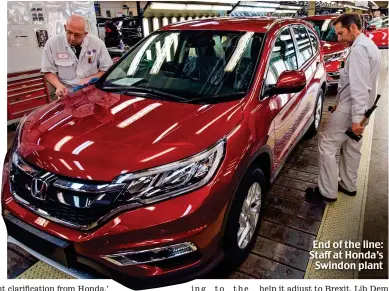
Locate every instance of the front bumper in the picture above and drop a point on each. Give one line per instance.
(83, 268)
(195, 217)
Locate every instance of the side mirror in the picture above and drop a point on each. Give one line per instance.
(288, 82)
(371, 27)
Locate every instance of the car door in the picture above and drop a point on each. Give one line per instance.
(283, 106)
(309, 63)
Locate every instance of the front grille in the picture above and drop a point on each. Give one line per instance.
(72, 208)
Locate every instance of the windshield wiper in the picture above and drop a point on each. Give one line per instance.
(152, 92)
(235, 95)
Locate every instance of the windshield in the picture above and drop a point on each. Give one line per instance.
(190, 64)
(325, 30)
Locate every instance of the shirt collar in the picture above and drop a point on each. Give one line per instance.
(358, 40)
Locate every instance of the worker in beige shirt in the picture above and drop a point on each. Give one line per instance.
(357, 91)
(74, 58)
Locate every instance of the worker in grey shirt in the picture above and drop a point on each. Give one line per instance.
(357, 91)
(74, 58)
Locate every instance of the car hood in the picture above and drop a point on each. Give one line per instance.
(329, 47)
(98, 135)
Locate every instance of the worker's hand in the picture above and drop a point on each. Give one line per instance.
(357, 128)
(61, 91)
(334, 108)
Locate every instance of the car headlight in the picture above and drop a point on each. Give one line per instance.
(173, 179)
(18, 132)
(336, 56)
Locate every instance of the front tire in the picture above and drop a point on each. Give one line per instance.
(245, 217)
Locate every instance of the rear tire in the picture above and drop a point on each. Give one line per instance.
(318, 114)
(245, 217)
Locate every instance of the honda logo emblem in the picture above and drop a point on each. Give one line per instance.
(39, 189)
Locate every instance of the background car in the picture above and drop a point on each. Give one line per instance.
(379, 35)
(127, 29)
(333, 50)
(101, 22)
(160, 170)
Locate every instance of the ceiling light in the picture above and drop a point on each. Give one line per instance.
(254, 9)
(167, 6)
(285, 11)
(197, 7)
(290, 7)
(221, 8)
(260, 4)
(146, 30)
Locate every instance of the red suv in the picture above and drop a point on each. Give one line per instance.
(379, 35)
(333, 50)
(160, 169)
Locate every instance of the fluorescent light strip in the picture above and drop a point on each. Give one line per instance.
(254, 9)
(139, 55)
(78, 165)
(167, 6)
(302, 41)
(176, 6)
(259, 4)
(221, 8)
(138, 115)
(213, 121)
(65, 164)
(290, 7)
(216, 1)
(158, 155)
(198, 7)
(162, 54)
(59, 122)
(59, 144)
(82, 146)
(54, 167)
(327, 22)
(242, 44)
(125, 104)
(285, 37)
(155, 24)
(165, 132)
(146, 30)
(285, 11)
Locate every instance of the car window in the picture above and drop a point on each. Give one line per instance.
(282, 58)
(304, 49)
(325, 30)
(314, 41)
(191, 63)
(130, 23)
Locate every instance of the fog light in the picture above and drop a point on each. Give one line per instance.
(151, 255)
